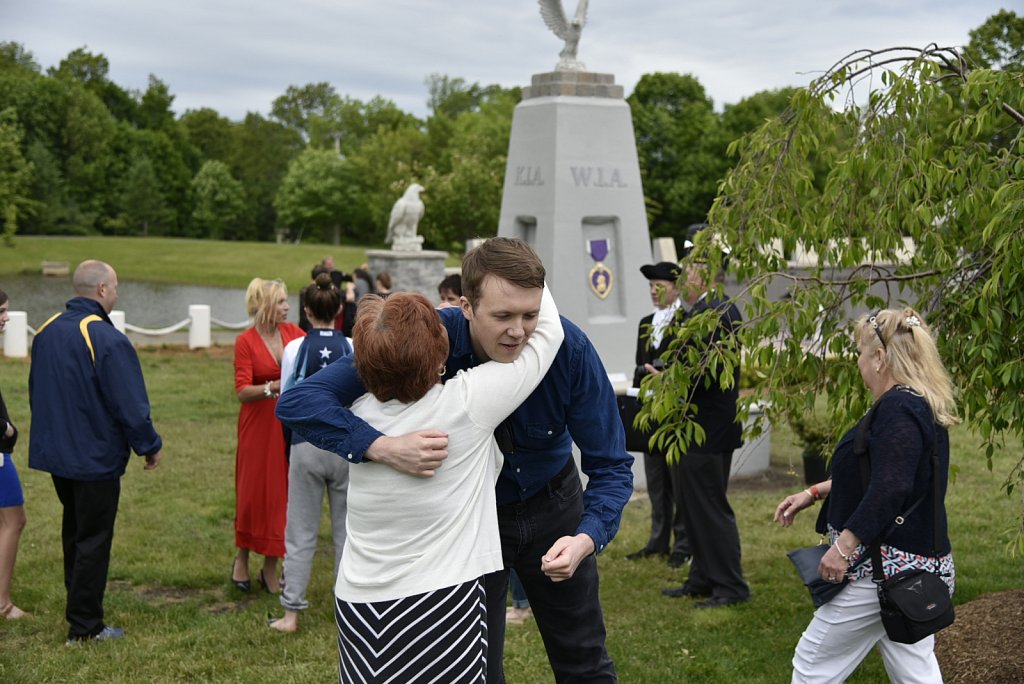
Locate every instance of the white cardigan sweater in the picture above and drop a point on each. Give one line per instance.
(410, 535)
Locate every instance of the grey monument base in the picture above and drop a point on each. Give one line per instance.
(574, 84)
(573, 191)
(419, 271)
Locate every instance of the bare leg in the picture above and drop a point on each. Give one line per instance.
(240, 567)
(12, 522)
(268, 575)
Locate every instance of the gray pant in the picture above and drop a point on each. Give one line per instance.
(312, 470)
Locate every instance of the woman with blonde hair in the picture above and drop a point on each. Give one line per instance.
(261, 468)
(913, 408)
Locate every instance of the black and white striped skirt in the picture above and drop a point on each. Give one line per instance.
(439, 636)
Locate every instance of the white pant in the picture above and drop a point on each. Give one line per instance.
(844, 630)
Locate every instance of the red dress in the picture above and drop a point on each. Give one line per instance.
(261, 469)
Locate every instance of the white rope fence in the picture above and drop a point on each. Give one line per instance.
(198, 324)
(156, 332)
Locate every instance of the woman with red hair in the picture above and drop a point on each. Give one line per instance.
(410, 596)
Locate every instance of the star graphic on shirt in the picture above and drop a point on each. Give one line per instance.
(325, 353)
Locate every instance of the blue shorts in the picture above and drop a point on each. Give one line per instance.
(10, 485)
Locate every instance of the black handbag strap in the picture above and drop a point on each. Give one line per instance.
(860, 449)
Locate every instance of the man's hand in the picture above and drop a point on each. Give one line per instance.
(153, 460)
(417, 453)
(565, 555)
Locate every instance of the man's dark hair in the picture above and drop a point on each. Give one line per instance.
(452, 283)
(509, 258)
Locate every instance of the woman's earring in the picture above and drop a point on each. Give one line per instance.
(444, 369)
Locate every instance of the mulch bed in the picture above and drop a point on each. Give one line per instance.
(985, 644)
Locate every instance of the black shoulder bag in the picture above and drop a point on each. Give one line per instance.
(913, 603)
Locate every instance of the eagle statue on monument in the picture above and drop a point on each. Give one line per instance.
(569, 31)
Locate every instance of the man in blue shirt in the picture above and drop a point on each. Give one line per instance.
(550, 527)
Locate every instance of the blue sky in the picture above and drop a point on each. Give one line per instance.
(238, 55)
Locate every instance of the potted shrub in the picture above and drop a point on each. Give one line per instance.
(815, 435)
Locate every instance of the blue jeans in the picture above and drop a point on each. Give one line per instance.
(519, 598)
(568, 613)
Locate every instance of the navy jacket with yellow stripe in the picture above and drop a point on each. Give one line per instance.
(88, 398)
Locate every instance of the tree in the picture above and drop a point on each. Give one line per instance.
(87, 137)
(681, 150)
(298, 105)
(752, 112)
(15, 56)
(315, 192)
(465, 199)
(383, 167)
(15, 173)
(913, 158)
(154, 110)
(998, 43)
(212, 134)
(143, 208)
(262, 154)
(219, 202)
(52, 211)
(91, 71)
(346, 123)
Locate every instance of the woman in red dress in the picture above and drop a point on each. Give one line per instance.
(261, 468)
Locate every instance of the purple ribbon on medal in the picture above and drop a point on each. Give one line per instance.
(598, 249)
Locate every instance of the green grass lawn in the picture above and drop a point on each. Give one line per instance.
(193, 262)
(174, 543)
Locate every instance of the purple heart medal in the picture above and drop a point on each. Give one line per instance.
(600, 279)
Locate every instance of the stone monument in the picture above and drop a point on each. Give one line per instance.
(573, 191)
(412, 268)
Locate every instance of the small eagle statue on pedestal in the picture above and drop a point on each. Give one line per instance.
(405, 215)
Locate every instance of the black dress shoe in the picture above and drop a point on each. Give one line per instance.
(643, 553)
(721, 601)
(678, 559)
(242, 585)
(686, 590)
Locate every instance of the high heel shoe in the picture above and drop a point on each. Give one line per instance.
(242, 585)
(263, 582)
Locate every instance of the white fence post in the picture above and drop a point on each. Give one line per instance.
(16, 335)
(117, 318)
(199, 329)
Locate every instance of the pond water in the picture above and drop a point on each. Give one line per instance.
(147, 305)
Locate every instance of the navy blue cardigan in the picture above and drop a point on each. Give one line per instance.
(903, 434)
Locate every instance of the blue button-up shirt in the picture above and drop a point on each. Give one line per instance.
(573, 403)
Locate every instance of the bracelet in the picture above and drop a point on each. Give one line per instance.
(267, 392)
(848, 559)
(813, 492)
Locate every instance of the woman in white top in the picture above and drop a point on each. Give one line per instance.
(409, 592)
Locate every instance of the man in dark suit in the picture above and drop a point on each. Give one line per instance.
(652, 341)
(702, 475)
